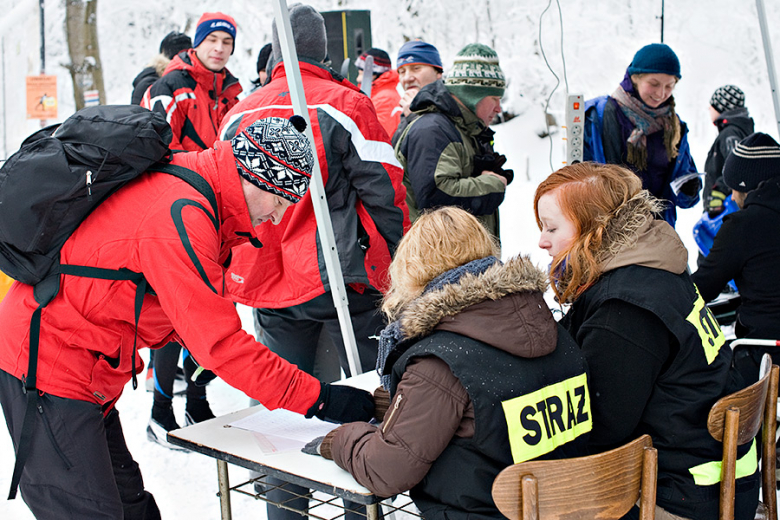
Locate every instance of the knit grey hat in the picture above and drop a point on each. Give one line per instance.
(475, 75)
(275, 155)
(727, 97)
(308, 28)
(755, 159)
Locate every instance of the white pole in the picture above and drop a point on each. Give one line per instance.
(770, 60)
(324, 226)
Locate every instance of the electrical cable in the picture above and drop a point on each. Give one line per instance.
(557, 79)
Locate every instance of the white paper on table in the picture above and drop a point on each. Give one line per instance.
(282, 430)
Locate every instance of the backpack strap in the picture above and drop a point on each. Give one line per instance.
(45, 291)
(193, 179)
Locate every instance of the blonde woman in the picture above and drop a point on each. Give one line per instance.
(637, 126)
(480, 374)
(656, 356)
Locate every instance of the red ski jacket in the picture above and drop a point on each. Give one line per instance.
(385, 97)
(364, 190)
(162, 227)
(193, 99)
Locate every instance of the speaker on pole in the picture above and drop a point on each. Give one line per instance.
(349, 36)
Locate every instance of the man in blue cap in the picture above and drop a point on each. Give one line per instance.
(419, 64)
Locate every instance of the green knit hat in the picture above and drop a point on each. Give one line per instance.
(475, 75)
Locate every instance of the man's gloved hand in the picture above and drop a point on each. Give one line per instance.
(313, 446)
(715, 205)
(691, 187)
(342, 404)
(492, 163)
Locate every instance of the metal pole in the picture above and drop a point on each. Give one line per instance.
(316, 188)
(770, 60)
(42, 9)
(662, 21)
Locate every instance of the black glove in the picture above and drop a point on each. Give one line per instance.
(196, 373)
(342, 404)
(492, 163)
(691, 187)
(313, 446)
(509, 175)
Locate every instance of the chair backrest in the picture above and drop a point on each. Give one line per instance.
(603, 486)
(735, 420)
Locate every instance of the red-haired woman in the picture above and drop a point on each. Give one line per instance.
(656, 356)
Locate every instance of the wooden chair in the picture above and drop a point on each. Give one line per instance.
(603, 486)
(735, 420)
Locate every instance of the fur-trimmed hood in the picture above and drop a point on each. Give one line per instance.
(503, 307)
(634, 237)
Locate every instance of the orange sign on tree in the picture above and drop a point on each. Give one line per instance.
(42, 97)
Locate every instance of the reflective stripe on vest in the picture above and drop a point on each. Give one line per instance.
(708, 473)
(712, 337)
(541, 421)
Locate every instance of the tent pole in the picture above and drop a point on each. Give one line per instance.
(770, 60)
(316, 188)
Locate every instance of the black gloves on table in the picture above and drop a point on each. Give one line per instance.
(342, 404)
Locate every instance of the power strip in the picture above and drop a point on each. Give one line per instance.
(575, 128)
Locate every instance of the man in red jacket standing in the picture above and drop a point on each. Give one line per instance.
(286, 281)
(194, 94)
(197, 90)
(78, 464)
(384, 88)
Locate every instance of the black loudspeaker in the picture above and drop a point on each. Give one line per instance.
(349, 36)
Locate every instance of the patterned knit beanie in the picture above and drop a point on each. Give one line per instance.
(212, 22)
(727, 97)
(381, 61)
(274, 155)
(755, 159)
(475, 75)
(656, 58)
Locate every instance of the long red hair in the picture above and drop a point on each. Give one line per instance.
(588, 195)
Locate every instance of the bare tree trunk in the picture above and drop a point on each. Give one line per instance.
(85, 68)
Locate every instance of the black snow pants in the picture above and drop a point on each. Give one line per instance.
(79, 465)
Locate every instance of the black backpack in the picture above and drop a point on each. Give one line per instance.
(47, 188)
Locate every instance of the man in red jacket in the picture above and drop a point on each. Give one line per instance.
(194, 94)
(197, 90)
(286, 281)
(384, 88)
(158, 225)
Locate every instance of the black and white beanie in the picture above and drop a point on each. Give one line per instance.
(275, 155)
(727, 97)
(755, 159)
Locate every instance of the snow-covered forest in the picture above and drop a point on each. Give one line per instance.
(718, 42)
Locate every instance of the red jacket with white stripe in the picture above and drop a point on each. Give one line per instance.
(363, 186)
(162, 227)
(193, 99)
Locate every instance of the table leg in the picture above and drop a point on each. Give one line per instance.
(224, 490)
(372, 511)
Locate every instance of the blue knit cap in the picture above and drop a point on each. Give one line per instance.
(417, 52)
(211, 22)
(656, 58)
